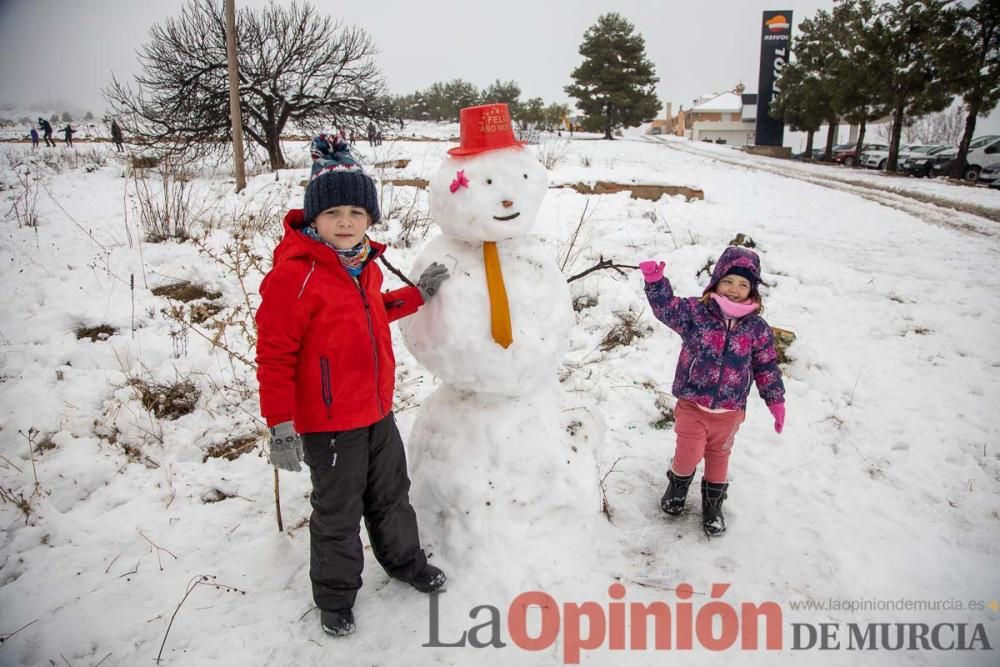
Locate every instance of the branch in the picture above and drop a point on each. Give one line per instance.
(397, 272)
(200, 580)
(602, 264)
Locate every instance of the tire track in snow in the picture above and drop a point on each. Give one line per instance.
(973, 219)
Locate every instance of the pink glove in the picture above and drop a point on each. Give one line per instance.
(778, 410)
(652, 271)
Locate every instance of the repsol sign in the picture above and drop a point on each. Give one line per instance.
(776, 31)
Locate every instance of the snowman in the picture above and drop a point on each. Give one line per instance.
(493, 465)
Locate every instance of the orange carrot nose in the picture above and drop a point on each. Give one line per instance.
(507, 203)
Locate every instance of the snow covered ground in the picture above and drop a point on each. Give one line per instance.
(883, 491)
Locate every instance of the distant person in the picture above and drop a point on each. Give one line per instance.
(46, 128)
(371, 134)
(726, 346)
(68, 133)
(116, 136)
(378, 138)
(34, 138)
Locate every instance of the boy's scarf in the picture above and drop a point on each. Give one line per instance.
(353, 259)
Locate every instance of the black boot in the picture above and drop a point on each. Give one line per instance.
(712, 495)
(429, 580)
(673, 499)
(337, 622)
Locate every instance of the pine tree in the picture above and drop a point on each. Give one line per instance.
(503, 91)
(811, 79)
(615, 84)
(854, 64)
(970, 59)
(802, 102)
(907, 36)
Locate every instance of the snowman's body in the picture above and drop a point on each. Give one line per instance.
(493, 434)
(451, 334)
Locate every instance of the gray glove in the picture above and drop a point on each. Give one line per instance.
(430, 280)
(286, 447)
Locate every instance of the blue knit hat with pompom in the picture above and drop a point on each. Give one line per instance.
(337, 179)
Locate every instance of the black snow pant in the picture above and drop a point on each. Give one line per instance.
(359, 473)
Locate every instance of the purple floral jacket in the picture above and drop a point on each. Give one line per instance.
(718, 363)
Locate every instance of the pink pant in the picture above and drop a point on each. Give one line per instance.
(707, 435)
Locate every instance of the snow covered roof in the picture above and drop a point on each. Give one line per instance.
(727, 101)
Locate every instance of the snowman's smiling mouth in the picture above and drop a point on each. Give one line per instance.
(506, 218)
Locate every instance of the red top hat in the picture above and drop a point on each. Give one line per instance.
(485, 128)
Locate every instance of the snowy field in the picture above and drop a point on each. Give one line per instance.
(884, 488)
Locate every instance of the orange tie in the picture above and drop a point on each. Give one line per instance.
(499, 308)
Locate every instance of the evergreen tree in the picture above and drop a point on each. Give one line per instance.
(615, 84)
(812, 81)
(554, 115)
(802, 102)
(531, 113)
(503, 91)
(854, 64)
(970, 59)
(907, 36)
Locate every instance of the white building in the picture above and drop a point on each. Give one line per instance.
(729, 118)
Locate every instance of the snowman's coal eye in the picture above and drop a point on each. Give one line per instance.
(489, 181)
(525, 177)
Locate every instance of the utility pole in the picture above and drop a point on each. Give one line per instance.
(234, 95)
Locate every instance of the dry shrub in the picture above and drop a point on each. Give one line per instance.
(552, 151)
(99, 332)
(165, 212)
(166, 401)
(199, 313)
(232, 449)
(144, 162)
(185, 291)
(628, 329)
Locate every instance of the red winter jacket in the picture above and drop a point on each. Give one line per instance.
(324, 352)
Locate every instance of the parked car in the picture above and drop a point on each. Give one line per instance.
(943, 162)
(877, 159)
(982, 150)
(920, 164)
(847, 154)
(990, 173)
(817, 153)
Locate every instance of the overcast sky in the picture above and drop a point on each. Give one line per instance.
(63, 51)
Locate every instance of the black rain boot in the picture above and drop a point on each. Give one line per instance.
(673, 499)
(337, 622)
(712, 496)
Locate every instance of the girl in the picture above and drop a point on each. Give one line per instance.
(327, 373)
(726, 346)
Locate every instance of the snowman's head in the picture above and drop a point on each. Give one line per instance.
(490, 196)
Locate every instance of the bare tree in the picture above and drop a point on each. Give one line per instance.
(943, 127)
(294, 65)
